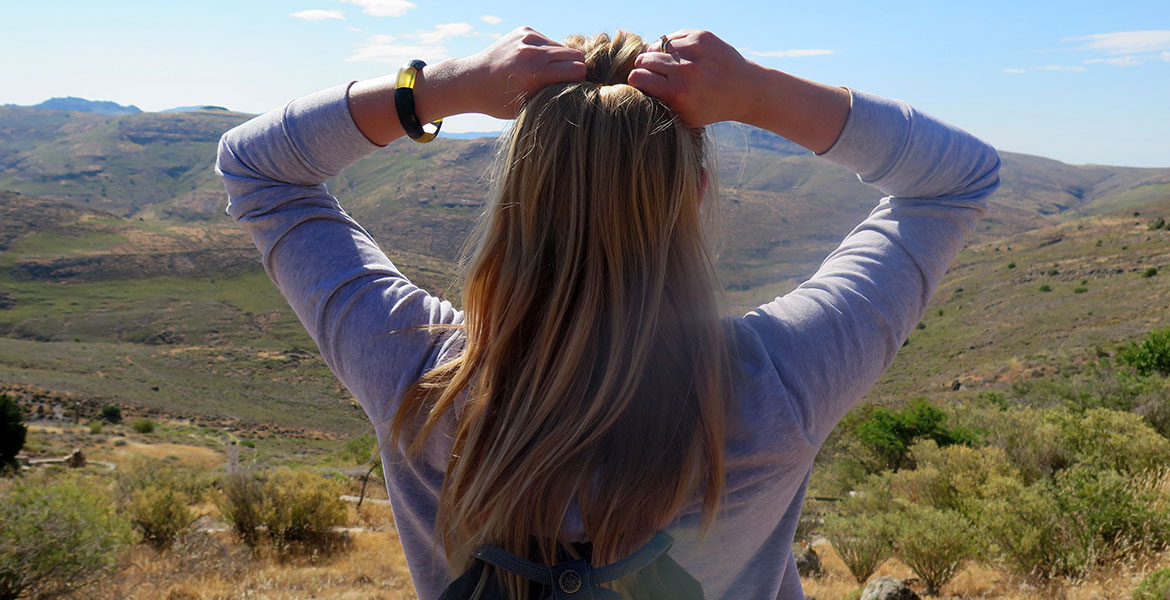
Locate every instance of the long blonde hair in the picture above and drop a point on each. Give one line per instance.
(595, 364)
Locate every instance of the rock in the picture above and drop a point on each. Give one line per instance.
(808, 564)
(75, 460)
(887, 588)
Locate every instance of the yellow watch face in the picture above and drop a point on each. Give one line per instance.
(406, 77)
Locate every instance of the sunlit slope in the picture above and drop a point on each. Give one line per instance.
(1025, 305)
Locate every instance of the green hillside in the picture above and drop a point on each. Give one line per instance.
(120, 273)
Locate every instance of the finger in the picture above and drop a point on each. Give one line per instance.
(563, 71)
(555, 53)
(659, 62)
(651, 83)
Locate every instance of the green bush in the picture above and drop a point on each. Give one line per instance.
(888, 434)
(156, 496)
(1155, 586)
(13, 433)
(142, 425)
(241, 504)
(934, 543)
(1150, 355)
(1045, 288)
(302, 507)
(95, 427)
(863, 541)
(56, 536)
(1030, 532)
(111, 414)
(298, 508)
(1150, 272)
(161, 515)
(1106, 439)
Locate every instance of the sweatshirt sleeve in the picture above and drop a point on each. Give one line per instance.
(836, 334)
(365, 316)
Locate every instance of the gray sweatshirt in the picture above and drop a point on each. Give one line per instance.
(806, 357)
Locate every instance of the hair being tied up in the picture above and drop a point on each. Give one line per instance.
(595, 365)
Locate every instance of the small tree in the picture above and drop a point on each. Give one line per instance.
(56, 537)
(12, 433)
(863, 541)
(888, 434)
(1151, 354)
(934, 543)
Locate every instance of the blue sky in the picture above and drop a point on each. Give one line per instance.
(1077, 81)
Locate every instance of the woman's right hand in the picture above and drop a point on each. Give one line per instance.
(705, 81)
(700, 77)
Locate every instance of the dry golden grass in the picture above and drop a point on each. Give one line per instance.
(187, 454)
(209, 567)
(977, 581)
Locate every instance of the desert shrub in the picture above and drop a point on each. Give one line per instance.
(1111, 440)
(1155, 586)
(161, 515)
(933, 542)
(1153, 404)
(1045, 288)
(240, 502)
(1124, 511)
(156, 496)
(111, 414)
(1029, 532)
(142, 425)
(13, 433)
(888, 434)
(95, 427)
(1150, 272)
(1150, 355)
(950, 478)
(56, 537)
(297, 508)
(863, 541)
(301, 507)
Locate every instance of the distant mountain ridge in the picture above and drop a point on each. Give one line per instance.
(783, 208)
(97, 107)
(113, 109)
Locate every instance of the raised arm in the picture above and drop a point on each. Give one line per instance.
(832, 337)
(358, 307)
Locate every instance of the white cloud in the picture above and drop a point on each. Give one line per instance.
(441, 32)
(384, 8)
(1013, 71)
(1059, 68)
(1166, 56)
(353, 28)
(1119, 61)
(382, 49)
(317, 15)
(491, 19)
(1125, 42)
(792, 53)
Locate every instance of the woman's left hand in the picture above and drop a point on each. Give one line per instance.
(498, 80)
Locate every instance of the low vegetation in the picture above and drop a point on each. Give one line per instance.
(1058, 477)
(58, 534)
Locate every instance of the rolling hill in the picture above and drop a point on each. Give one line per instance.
(121, 279)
